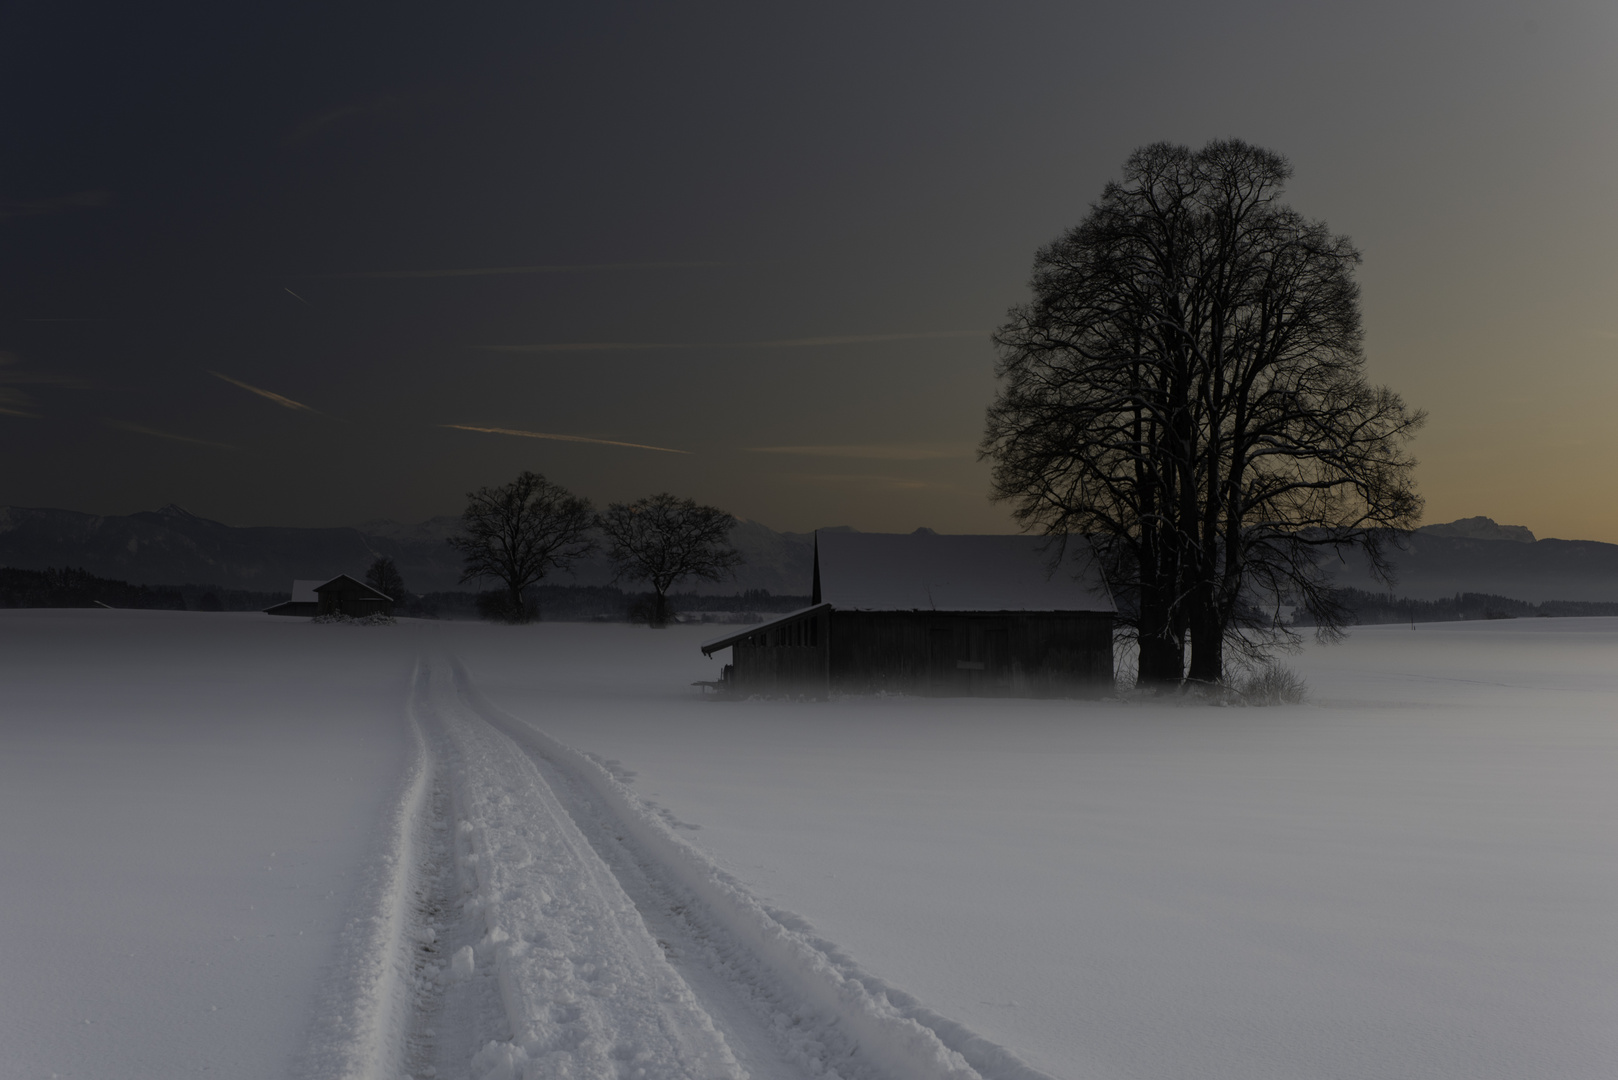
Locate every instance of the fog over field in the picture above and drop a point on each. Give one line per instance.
(244, 846)
(839, 541)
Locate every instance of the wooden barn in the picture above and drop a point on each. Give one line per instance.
(929, 614)
(343, 595)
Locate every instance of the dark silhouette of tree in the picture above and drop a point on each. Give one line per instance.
(384, 577)
(519, 532)
(1187, 390)
(663, 540)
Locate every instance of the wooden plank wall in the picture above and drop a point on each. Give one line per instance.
(981, 654)
(351, 602)
(784, 661)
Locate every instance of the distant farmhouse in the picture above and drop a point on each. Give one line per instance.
(929, 614)
(342, 595)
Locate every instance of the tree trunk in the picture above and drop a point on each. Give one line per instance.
(1207, 643)
(1161, 655)
(1161, 661)
(660, 609)
(514, 605)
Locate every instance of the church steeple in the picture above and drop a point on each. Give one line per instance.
(815, 597)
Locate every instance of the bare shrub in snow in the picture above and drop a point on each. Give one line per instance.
(1273, 684)
(337, 618)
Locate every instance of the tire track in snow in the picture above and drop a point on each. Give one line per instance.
(768, 1038)
(363, 1011)
(827, 1016)
(461, 1025)
(586, 991)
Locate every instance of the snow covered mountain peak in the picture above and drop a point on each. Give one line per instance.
(1480, 528)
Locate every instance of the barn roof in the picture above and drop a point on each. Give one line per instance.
(926, 571)
(303, 590)
(364, 589)
(725, 642)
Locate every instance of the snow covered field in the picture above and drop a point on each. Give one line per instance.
(234, 845)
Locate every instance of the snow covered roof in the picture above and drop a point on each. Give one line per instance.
(924, 571)
(353, 583)
(725, 642)
(303, 590)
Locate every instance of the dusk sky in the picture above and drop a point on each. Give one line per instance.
(314, 264)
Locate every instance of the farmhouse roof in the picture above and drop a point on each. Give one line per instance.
(364, 589)
(926, 571)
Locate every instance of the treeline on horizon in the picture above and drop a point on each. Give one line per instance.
(1371, 609)
(69, 587)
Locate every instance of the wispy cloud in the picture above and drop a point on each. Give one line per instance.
(15, 402)
(78, 200)
(342, 115)
(559, 438)
(489, 271)
(154, 433)
(875, 451)
(876, 483)
(270, 395)
(591, 346)
(775, 343)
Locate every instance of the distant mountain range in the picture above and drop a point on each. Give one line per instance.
(1476, 555)
(173, 547)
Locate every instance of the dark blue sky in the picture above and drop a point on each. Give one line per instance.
(827, 208)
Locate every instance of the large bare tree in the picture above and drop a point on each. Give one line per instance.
(518, 532)
(1186, 388)
(663, 540)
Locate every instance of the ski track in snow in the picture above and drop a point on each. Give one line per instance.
(363, 1012)
(532, 917)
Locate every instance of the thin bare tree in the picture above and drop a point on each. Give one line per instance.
(518, 532)
(384, 577)
(662, 540)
